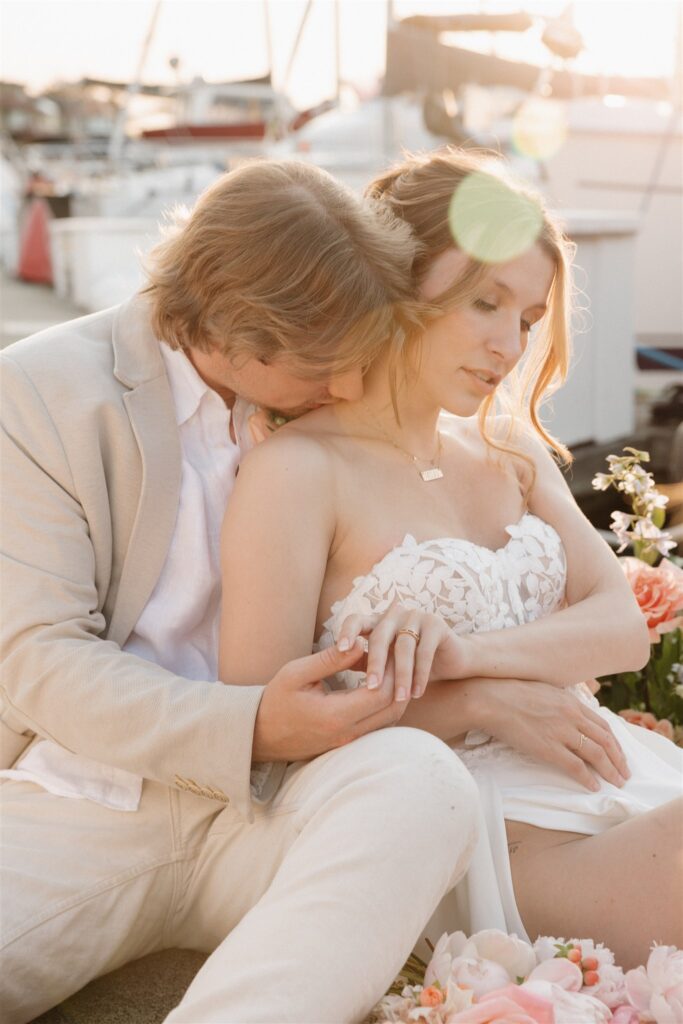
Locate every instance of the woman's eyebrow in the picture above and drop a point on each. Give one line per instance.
(510, 291)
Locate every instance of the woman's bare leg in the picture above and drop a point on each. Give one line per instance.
(623, 887)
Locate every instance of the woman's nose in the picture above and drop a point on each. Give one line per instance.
(348, 386)
(508, 341)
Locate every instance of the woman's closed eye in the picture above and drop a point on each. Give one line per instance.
(490, 307)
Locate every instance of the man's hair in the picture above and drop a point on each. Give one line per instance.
(279, 262)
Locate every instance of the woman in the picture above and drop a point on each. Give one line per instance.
(437, 535)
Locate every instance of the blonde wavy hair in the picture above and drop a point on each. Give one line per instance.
(279, 262)
(421, 190)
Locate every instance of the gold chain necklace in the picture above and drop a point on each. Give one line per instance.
(433, 473)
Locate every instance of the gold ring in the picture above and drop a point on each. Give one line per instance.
(409, 632)
(582, 740)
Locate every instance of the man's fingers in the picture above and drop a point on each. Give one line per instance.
(314, 667)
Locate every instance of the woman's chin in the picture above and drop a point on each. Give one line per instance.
(464, 406)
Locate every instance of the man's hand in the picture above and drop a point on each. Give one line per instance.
(297, 719)
(547, 723)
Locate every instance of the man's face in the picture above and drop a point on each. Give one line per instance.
(271, 385)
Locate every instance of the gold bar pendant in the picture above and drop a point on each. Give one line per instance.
(431, 474)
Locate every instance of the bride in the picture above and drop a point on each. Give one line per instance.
(453, 542)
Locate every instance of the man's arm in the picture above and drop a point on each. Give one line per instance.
(60, 678)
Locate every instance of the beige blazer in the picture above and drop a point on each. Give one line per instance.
(90, 464)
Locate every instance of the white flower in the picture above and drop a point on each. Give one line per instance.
(603, 954)
(512, 953)
(611, 988)
(656, 991)
(446, 950)
(602, 481)
(476, 962)
(646, 530)
(545, 947)
(480, 975)
(621, 526)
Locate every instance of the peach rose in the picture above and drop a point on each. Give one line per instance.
(659, 593)
(431, 996)
(648, 721)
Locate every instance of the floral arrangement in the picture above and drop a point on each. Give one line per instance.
(652, 697)
(493, 978)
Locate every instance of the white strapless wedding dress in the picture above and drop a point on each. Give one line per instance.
(476, 589)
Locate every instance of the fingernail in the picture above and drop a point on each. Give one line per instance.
(417, 694)
(344, 644)
(401, 694)
(371, 681)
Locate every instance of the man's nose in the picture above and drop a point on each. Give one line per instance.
(348, 386)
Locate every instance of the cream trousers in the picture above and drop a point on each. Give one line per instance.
(309, 912)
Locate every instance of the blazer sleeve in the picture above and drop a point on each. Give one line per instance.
(58, 677)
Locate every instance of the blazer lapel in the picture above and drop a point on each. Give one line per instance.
(152, 416)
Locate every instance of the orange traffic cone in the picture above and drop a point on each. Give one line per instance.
(34, 249)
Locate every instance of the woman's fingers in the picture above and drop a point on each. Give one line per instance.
(609, 741)
(600, 748)
(412, 637)
(577, 768)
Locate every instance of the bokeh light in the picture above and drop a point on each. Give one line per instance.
(539, 128)
(490, 221)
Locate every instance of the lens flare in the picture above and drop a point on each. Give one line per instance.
(539, 128)
(490, 221)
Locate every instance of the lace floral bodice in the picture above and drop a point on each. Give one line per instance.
(473, 588)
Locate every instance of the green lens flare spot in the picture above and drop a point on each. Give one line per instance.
(491, 222)
(539, 129)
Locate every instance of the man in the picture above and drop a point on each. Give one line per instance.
(281, 829)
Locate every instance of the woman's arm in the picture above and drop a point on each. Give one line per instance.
(601, 631)
(277, 532)
(539, 720)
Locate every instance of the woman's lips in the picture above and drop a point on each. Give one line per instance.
(486, 387)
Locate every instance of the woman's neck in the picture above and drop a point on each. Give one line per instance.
(417, 432)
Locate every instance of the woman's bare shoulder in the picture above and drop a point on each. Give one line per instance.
(296, 457)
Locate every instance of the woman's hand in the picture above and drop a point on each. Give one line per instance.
(420, 644)
(551, 725)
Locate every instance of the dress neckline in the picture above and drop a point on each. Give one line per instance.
(462, 540)
(410, 542)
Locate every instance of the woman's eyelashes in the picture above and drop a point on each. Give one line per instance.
(491, 307)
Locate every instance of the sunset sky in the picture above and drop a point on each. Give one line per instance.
(47, 40)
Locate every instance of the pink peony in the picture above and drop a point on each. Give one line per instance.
(500, 1009)
(570, 1007)
(656, 991)
(480, 975)
(560, 972)
(659, 593)
(625, 1014)
(610, 989)
(513, 955)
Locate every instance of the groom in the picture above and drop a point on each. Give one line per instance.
(282, 830)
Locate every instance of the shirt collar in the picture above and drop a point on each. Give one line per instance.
(187, 387)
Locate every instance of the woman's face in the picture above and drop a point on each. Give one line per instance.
(467, 352)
